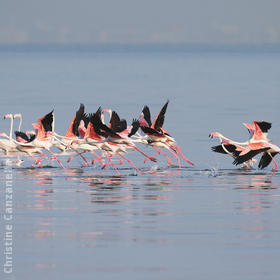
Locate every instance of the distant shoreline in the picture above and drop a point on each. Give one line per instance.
(258, 48)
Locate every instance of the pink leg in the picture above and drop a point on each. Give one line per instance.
(145, 160)
(272, 174)
(178, 159)
(150, 158)
(35, 160)
(129, 161)
(55, 157)
(98, 157)
(112, 164)
(276, 165)
(78, 154)
(177, 150)
(84, 164)
(169, 159)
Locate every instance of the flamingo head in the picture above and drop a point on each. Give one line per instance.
(8, 116)
(215, 134)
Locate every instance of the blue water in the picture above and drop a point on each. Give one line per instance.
(211, 221)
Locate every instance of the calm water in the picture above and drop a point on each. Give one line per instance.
(211, 221)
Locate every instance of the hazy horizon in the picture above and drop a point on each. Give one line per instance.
(128, 22)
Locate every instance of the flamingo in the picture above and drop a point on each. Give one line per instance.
(157, 137)
(268, 156)
(73, 132)
(117, 142)
(258, 143)
(89, 140)
(8, 145)
(232, 149)
(78, 129)
(42, 140)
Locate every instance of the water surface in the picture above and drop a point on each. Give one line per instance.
(204, 222)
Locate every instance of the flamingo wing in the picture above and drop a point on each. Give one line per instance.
(266, 159)
(250, 127)
(229, 147)
(248, 155)
(47, 121)
(159, 120)
(149, 130)
(99, 127)
(145, 117)
(135, 126)
(80, 114)
(114, 119)
(264, 126)
(21, 135)
(117, 124)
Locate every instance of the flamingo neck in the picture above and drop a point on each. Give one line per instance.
(11, 128)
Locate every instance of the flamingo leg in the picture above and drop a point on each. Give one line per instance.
(145, 155)
(177, 157)
(78, 154)
(57, 159)
(98, 157)
(129, 161)
(169, 159)
(177, 150)
(145, 160)
(112, 164)
(51, 158)
(35, 160)
(276, 165)
(84, 164)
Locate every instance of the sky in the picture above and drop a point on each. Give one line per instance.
(139, 22)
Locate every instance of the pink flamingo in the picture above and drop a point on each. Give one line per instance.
(8, 145)
(245, 151)
(259, 143)
(43, 139)
(117, 141)
(157, 137)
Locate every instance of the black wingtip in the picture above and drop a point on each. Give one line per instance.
(135, 126)
(264, 126)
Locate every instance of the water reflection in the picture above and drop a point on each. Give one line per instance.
(40, 177)
(262, 181)
(257, 193)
